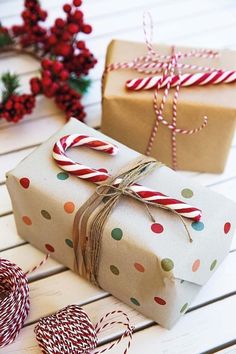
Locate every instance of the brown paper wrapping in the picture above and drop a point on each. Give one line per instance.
(129, 116)
(134, 262)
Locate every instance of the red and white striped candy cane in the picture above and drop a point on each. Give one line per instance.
(97, 176)
(199, 79)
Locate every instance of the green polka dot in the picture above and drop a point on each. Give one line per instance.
(62, 176)
(184, 308)
(197, 225)
(134, 301)
(187, 193)
(181, 281)
(117, 234)
(46, 214)
(114, 270)
(167, 264)
(69, 242)
(213, 264)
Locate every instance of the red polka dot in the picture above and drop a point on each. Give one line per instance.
(69, 207)
(157, 228)
(196, 265)
(49, 247)
(27, 220)
(139, 267)
(227, 227)
(159, 300)
(103, 170)
(25, 182)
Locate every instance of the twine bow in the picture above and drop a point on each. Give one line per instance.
(91, 217)
(167, 66)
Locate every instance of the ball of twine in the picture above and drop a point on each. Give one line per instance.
(14, 301)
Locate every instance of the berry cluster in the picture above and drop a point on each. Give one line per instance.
(16, 107)
(65, 60)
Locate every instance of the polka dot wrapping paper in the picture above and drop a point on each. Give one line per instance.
(149, 265)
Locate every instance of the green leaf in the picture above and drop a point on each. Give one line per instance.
(5, 39)
(10, 85)
(79, 84)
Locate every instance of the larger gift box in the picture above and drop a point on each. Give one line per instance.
(128, 116)
(150, 266)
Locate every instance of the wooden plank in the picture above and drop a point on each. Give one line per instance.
(230, 350)
(9, 161)
(5, 201)
(26, 256)
(50, 294)
(196, 332)
(8, 233)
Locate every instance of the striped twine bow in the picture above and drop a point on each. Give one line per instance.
(14, 299)
(168, 66)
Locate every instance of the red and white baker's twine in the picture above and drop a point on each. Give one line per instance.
(170, 75)
(98, 176)
(71, 331)
(14, 300)
(68, 331)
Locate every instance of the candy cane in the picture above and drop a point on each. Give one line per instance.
(208, 78)
(97, 176)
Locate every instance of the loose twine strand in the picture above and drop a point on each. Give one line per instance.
(167, 66)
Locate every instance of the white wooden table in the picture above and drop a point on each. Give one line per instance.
(209, 325)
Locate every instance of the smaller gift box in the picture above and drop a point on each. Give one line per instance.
(129, 117)
(150, 265)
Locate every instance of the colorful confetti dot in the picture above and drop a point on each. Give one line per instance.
(62, 176)
(69, 242)
(69, 207)
(197, 225)
(139, 267)
(184, 308)
(157, 228)
(167, 264)
(227, 227)
(114, 270)
(213, 264)
(196, 265)
(159, 300)
(117, 234)
(134, 301)
(27, 220)
(46, 214)
(49, 247)
(25, 182)
(187, 193)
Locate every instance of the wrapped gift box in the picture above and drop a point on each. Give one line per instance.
(128, 116)
(150, 266)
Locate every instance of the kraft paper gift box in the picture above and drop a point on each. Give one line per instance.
(150, 266)
(128, 116)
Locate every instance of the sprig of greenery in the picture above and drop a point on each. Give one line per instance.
(5, 39)
(10, 85)
(79, 84)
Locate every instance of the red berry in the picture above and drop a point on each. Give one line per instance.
(77, 15)
(57, 67)
(72, 28)
(8, 104)
(77, 3)
(46, 81)
(67, 8)
(46, 63)
(66, 36)
(60, 23)
(52, 39)
(64, 75)
(63, 49)
(87, 29)
(80, 45)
